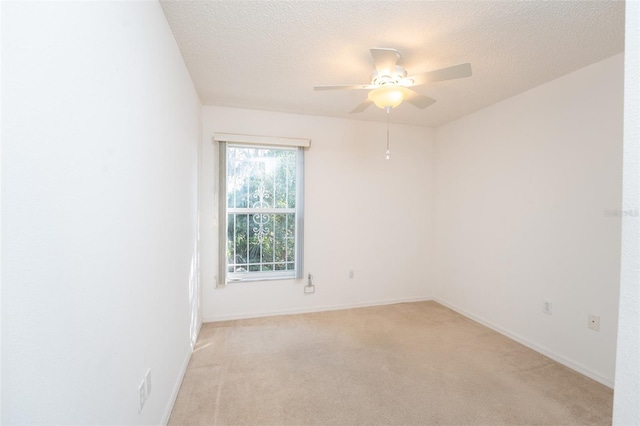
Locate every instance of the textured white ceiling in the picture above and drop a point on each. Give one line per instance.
(269, 55)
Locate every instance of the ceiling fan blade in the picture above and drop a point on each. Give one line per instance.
(385, 60)
(344, 87)
(449, 73)
(418, 100)
(364, 105)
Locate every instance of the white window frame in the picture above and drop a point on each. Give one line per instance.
(227, 139)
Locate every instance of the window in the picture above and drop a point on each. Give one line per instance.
(261, 211)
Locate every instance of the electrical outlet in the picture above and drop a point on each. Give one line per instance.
(147, 382)
(547, 307)
(350, 274)
(142, 391)
(309, 288)
(593, 322)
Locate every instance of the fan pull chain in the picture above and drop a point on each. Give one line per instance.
(388, 153)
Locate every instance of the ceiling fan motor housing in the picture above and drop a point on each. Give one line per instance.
(396, 78)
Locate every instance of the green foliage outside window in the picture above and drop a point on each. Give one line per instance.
(261, 201)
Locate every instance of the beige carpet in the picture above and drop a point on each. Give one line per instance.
(404, 364)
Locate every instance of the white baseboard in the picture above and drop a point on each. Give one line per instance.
(176, 386)
(544, 351)
(228, 317)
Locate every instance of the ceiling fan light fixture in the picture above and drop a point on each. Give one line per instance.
(388, 96)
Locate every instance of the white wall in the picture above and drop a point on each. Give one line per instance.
(361, 212)
(1, 210)
(99, 172)
(521, 193)
(626, 409)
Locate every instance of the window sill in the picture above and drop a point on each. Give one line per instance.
(250, 279)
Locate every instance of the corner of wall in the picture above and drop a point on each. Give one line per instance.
(626, 410)
(519, 215)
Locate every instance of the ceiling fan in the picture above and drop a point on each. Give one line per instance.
(390, 85)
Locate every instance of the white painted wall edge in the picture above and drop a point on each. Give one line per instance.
(178, 384)
(544, 351)
(229, 317)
